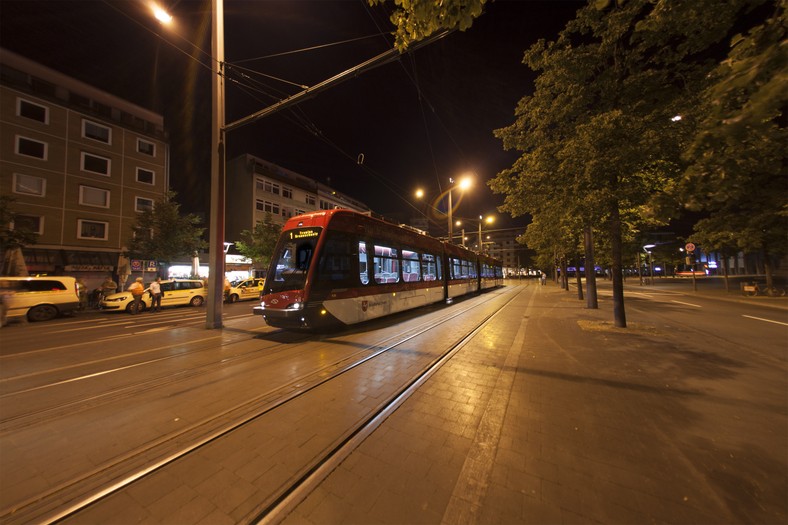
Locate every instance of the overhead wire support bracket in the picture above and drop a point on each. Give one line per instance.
(381, 59)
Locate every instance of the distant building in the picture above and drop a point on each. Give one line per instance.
(503, 245)
(80, 164)
(256, 187)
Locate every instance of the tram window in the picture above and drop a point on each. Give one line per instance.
(362, 263)
(386, 263)
(472, 271)
(334, 268)
(456, 268)
(411, 270)
(429, 268)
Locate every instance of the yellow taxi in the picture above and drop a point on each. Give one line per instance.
(245, 289)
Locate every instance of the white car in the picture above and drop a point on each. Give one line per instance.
(245, 290)
(174, 292)
(40, 298)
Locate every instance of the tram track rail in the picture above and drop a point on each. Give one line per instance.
(92, 486)
(277, 509)
(69, 407)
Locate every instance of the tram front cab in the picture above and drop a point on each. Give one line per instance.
(285, 301)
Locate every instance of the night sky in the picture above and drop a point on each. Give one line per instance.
(417, 121)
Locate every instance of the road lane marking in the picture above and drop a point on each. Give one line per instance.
(766, 320)
(688, 304)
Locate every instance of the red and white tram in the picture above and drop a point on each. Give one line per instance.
(339, 267)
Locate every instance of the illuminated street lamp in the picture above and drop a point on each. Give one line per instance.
(160, 14)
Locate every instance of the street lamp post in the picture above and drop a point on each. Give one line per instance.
(463, 185)
(647, 248)
(488, 220)
(213, 318)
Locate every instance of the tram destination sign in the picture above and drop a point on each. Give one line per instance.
(306, 233)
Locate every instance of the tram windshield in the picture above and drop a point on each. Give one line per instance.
(293, 256)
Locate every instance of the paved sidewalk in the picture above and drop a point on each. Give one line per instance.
(551, 416)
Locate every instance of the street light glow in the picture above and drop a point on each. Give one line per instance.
(465, 183)
(161, 15)
(419, 193)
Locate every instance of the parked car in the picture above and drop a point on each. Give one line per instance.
(245, 289)
(40, 298)
(174, 292)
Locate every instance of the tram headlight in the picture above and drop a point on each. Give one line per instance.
(296, 306)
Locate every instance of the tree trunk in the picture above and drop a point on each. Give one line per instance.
(767, 269)
(564, 276)
(726, 271)
(588, 244)
(579, 279)
(619, 315)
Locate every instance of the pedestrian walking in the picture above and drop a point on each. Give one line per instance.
(544, 278)
(137, 289)
(155, 295)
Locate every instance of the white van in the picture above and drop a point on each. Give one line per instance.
(40, 298)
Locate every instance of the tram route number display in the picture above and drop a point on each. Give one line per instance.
(303, 234)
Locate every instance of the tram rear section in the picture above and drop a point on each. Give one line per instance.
(262, 466)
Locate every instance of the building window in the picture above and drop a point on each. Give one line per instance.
(90, 196)
(269, 207)
(325, 205)
(31, 223)
(310, 200)
(31, 110)
(91, 230)
(287, 192)
(31, 148)
(145, 176)
(29, 185)
(146, 148)
(142, 204)
(95, 164)
(95, 131)
(267, 186)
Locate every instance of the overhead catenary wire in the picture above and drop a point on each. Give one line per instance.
(243, 78)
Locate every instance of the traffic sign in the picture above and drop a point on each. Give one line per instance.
(690, 247)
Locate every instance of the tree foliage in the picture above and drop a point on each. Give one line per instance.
(597, 137)
(259, 243)
(417, 19)
(13, 235)
(737, 171)
(163, 234)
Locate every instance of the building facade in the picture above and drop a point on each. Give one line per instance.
(256, 187)
(79, 164)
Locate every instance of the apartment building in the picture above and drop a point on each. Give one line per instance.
(256, 187)
(80, 164)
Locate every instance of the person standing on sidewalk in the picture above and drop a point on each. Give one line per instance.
(155, 294)
(136, 288)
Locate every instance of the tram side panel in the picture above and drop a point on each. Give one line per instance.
(381, 278)
(348, 268)
(461, 272)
